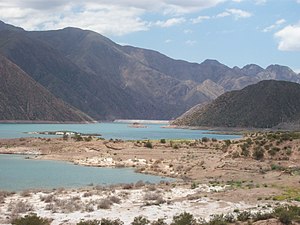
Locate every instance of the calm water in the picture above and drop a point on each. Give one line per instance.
(110, 130)
(17, 173)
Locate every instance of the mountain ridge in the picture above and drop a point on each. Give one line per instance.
(108, 81)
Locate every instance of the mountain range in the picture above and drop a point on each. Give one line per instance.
(266, 104)
(108, 81)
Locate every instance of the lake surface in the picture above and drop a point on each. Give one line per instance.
(110, 130)
(18, 173)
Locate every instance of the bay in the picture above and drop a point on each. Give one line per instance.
(18, 173)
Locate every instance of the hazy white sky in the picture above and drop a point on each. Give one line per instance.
(235, 32)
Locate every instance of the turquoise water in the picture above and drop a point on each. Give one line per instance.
(110, 130)
(18, 173)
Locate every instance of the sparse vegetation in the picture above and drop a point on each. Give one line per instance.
(286, 214)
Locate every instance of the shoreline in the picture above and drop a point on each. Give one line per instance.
(245, 182)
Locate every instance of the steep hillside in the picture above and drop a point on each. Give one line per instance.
(21, 98)
(262, 105)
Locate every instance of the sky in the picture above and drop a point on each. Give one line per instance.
(234, 32)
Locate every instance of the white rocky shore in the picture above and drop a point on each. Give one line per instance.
(124, 203)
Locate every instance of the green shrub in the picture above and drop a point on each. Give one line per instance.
(184, 219)
(77, 137)
(227, 142)
(245, 151)
(148, 144)
(194, 185)
(89, 138)
(176, 146)
(101, 222)
(163, 141)
(140, 220)
(89, 222)
(111, 222)
(159, 221)
(205, 139)
(31, 219)
(287, 214)
(258, 153)
(243, 216)
(218, 220)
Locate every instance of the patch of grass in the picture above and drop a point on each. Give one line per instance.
(289, 194)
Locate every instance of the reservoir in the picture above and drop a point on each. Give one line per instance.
(111, 130)
(18, 173)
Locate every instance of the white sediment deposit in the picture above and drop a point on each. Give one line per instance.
(152, 202)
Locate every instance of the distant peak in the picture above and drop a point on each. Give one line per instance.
(276, 67)
(210, 62)
(252, 66)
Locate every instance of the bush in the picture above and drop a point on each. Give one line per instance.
(89, 138)
(184, 219)
(89, 222)
(176, 146)
(163, 141)
(101, 222)
(77, 137)
(227, 142)
(205, 139)
(258, 153)
(288, 214)
(148, 144)
(104, 204)
(20, 207)
(111, 222)
(31, 219)
(140, 220)
(243, 216)
(245, 151)
(159, 222)
(219, 220)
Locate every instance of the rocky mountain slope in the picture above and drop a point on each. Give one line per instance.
(22, 98)
(109, 81)
(262, 105)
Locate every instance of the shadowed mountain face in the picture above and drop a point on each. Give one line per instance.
(22, 98)
(262, 105)
(109, 81)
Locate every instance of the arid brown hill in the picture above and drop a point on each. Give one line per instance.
(22, 98)
(109, 81)
(262, 105)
